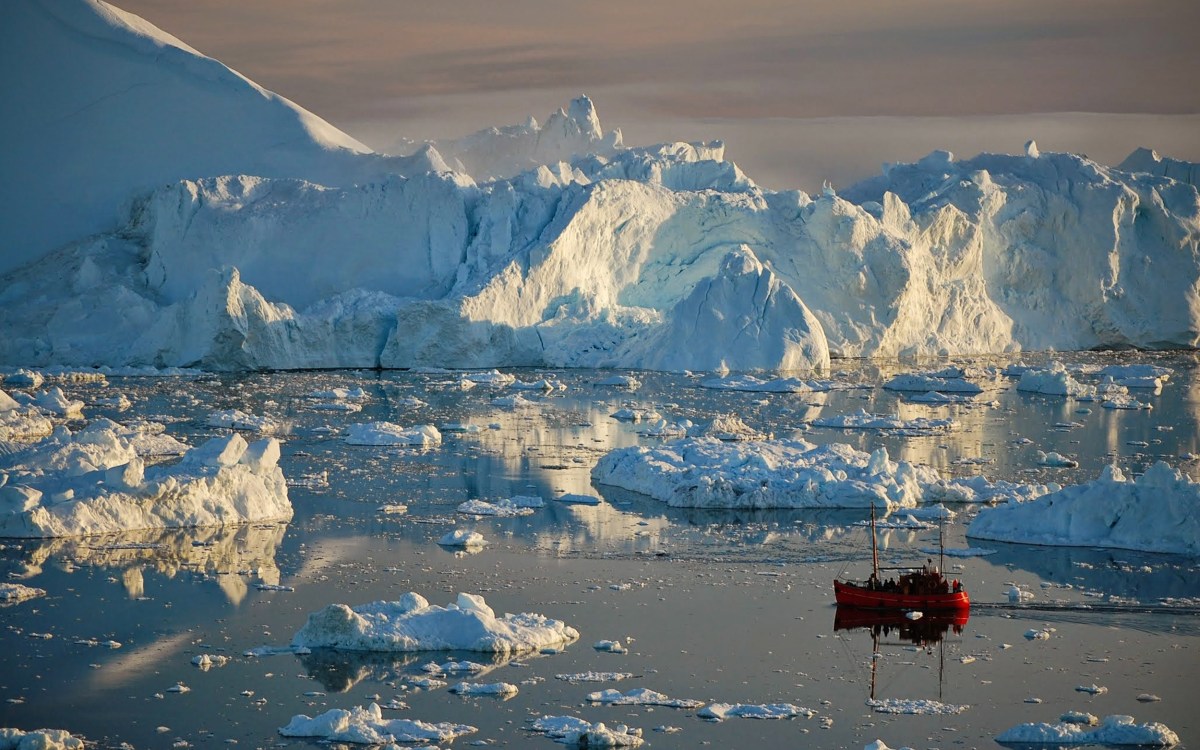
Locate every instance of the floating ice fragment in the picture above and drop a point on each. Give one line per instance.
(387, 433)
(641, 697)
(503, 689)
(366, 725)
(412, 624)
(1115, 730)
(463, 538)
(915, 706)
(612, 647)
(722, 711)
(1093, 689)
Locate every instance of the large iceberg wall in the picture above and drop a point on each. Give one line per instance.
(662, 257)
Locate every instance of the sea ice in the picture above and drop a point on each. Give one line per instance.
(920, 706)
(412, 624)
(722, 711)
(864, 420)
(365, 725)
(575, 732)
(641, 697)
(236, 419)
(1114, 730)
(503, 689)
(504, 508)
(705, 473)
(387, 433)
(462, 538)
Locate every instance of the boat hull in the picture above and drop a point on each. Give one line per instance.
(850, 595)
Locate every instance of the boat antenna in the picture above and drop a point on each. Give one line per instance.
(874, 546)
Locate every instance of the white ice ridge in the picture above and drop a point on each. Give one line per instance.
(413, 624)
(1114, 730)
(11, 593)
(93, 482)
(595, 255)
(707, 473)
(576, 732)
(365, 725)
(722, 711)
(1156, 512)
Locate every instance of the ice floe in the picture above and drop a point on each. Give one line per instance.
(921, 706)
(502, 689)
(365, 725)
(641, 697)
(518, 505)
(864, 420)
(387, 433)
(575, 732)
(1113, 730)
(412, 624)
(1156, 512)
(236, 419)
(702, 473)
(722, 711)
(462, 538)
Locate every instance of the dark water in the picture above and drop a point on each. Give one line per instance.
(731, 606)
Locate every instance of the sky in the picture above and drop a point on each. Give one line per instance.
(800, 90)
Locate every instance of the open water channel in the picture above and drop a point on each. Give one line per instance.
(718, 606)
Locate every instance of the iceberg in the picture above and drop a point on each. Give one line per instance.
(93, 482)
(1156, 512)
(175, 242)
(413, 624)
(708, 473)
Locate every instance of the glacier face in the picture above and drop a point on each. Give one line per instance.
(558, 245)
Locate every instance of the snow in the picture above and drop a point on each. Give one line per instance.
(173, 243)
(387, 433)
(41, 739)
(1156, 512)
(365, 725)
(93, 482)
(1114, 730)
(412, 624)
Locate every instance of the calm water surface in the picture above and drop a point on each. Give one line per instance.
(731, 606)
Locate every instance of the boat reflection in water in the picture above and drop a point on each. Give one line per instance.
(927, 630)
(906, 629)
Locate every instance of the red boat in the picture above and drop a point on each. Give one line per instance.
(922, 588)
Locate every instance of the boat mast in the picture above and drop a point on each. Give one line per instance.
(942, 545)
(874, 547)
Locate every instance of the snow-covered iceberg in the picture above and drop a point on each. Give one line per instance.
(1157, 512)
(94, 482)
(413, 624)
(564, 247)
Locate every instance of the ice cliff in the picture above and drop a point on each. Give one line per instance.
(548, 244)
